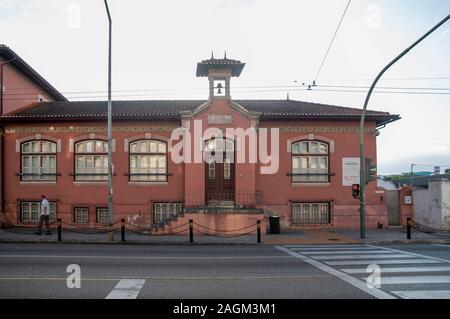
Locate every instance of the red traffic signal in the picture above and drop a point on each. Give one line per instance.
(355, 190)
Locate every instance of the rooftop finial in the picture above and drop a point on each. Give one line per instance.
(287, 97)
(225, 56)
(212, 55)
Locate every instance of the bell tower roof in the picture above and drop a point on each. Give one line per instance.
(235, 66)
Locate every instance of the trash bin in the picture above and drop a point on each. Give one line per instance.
(274, 222)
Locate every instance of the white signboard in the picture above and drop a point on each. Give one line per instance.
(350, 171)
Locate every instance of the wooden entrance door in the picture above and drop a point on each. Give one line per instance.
(219, 171)
(219, 182)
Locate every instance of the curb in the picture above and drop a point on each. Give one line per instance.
(78, 242)
(169, 243)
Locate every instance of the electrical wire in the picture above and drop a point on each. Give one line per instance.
(332, 40)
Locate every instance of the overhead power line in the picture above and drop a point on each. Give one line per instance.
(255, 91)
(331, 42)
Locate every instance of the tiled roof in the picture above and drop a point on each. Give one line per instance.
(236, 66)
(169, 110)
(26, 69)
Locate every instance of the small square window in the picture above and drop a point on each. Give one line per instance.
(81, 215)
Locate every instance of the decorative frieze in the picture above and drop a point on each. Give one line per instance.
(170, 128)
(325, 129)
(90, 129)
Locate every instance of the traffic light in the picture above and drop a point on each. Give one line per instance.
(371, 170)
(355, 190)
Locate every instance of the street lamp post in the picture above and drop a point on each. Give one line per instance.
(362, 199)
(110, 165)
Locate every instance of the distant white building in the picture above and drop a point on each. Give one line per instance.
(432, 203)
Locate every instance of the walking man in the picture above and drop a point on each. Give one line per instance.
(45, 216)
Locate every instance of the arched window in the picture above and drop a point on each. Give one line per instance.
(310, 162)
(148, 161)
(38, 161)
(91, 160)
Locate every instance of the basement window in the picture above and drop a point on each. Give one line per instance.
(30, 212)
(310, 213)
(165, 211)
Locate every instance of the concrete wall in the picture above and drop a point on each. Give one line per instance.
(432, 205)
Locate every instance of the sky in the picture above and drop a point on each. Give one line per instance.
(156, 45)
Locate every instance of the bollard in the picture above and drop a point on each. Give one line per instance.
(59, 229)
(122, 228)
(191, 230)
(258, 231)
(408, 228)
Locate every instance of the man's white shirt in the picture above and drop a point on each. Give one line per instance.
(45, 207)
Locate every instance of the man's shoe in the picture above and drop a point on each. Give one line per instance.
(37, 233)
(48, 233)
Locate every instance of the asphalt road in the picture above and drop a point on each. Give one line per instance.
(255, 271)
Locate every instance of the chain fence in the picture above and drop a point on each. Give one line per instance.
(123, 227)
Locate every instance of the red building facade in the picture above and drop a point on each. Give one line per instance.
(169, 160)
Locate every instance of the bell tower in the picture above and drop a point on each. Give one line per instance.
(219, 73)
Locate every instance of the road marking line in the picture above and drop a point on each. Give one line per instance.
(381, 262)
(343, 252)
(341, 275)
(414, 280)
(126, 289)
(143, 257)
(413, 254)
(398, 269)
(423, 294)
(175, 278)
(328, 257)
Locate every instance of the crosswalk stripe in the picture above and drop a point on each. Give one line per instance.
(377, 293)
(328, 257)
(323, 246)
(423, 294)
(414, 280)
(413, 254)
(398, 269)
(126, 289)
(382, 262)
(332, 252)
(334, 248)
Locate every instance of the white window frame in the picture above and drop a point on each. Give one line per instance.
(148, 161)
(305, 155)
(30, 212)
(91, 160)
(43, 154)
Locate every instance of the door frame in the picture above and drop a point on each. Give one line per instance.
(233, 170)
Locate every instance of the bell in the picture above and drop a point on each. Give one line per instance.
(219, 85)
(219, 91)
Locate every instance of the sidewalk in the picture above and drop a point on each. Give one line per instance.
(303, 237)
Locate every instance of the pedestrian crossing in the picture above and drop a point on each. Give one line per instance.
(402, 274)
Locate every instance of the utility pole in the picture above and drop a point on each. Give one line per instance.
(412, 174)
(110, 165)
(362, 197)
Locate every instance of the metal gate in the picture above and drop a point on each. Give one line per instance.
(392, 206)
